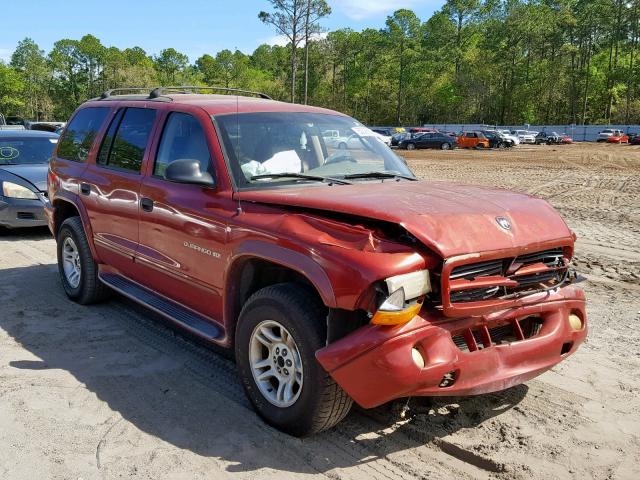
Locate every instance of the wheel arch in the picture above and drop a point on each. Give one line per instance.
(258, 264)
(64, 208)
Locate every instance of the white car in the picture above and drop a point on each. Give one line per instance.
(524, 136)
(507, 134)
(608, 132)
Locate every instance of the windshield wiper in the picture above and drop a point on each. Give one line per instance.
(304, 176)
(383, 175)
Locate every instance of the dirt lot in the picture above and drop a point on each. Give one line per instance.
(110, 391)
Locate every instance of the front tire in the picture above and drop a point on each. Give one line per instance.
(278, 333)
(78, 270)
(445, 146)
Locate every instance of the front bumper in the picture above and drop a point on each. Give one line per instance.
(374, 364)
(19, 213)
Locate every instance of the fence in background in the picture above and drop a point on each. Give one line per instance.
(579, 133)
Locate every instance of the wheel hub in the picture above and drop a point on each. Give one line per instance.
(276, 364)
(71, 262)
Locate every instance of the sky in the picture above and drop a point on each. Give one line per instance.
(194, 27)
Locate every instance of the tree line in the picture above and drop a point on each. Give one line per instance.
(506, 62)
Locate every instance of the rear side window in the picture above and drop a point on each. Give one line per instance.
(79, 135)
(126, 140)
(182, 139)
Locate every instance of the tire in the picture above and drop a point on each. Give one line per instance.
(73, 246)
(411, 146)
(318, 403)
(502, 145)
(480, 146)
(445, 146)
(342, 146)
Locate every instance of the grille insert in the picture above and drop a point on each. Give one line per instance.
(508, 277)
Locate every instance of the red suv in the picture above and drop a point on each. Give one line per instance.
(334, 273)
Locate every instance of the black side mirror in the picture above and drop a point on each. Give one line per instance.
(188, 171)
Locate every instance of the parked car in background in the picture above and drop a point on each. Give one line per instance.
(334, 275)
(398, 137)
(509, 135)
(604, 135)
(497, 140)
(385, 131)
(524, 136)
(24, 162)
(635, 140)
(422, 130)
(474, 139)
(565, 139)
(552, 138)
(618, 137)
(428, 140)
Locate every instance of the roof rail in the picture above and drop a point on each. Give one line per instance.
(158, 92)
(108, 93)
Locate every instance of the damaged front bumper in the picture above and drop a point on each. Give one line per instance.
(376, 364)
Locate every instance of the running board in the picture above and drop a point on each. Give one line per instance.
(197, 324)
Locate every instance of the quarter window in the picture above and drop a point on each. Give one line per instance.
(126, 140)
(182, 139)
(79, 135)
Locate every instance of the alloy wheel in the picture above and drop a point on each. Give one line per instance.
(71, 262)
(276, 364)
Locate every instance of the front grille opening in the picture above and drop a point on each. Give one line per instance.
(479, 338)
(26, 216)
(566, 348)
(515, 276)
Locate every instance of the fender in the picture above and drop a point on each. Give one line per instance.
(73, 199)
(296, 261)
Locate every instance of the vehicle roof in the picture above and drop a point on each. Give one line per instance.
(219, 104)
(27, 134)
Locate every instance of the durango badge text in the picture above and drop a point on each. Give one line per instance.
(200, 249)
(348, 279)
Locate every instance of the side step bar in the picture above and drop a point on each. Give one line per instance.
(187, 319)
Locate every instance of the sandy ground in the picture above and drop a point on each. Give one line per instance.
(110, 391)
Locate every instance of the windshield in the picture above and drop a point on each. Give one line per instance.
(19, 151)
(303, 144)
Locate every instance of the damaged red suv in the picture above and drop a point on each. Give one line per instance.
(333, 272)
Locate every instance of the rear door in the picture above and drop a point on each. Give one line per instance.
(111, 186)
(183, 226)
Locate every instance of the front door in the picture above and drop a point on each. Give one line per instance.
(111, 187)
(182, 226)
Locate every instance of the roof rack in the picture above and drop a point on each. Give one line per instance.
(160, 92)
(157, 92)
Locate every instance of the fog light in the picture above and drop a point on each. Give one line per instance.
(418, 359)
(574, 322)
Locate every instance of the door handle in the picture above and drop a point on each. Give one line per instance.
(146, 204)
(85, 189)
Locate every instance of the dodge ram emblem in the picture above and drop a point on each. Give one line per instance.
(504, 223)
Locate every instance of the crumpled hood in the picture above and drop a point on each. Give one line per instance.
(451, 219)
(36, 173)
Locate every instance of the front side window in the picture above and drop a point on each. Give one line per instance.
(126, 140)
(312, 144)
(79, 135)
(182, 139)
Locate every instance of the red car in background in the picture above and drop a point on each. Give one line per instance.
(565, 139)
(618, 138)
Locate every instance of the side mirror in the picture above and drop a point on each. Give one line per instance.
(188, 171)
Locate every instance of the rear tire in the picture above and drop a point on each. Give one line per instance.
(288, 322)
(78, 270)
(411, 146)
(445, 146)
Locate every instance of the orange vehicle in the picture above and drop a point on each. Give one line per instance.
(472, 140)
(618, 137)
